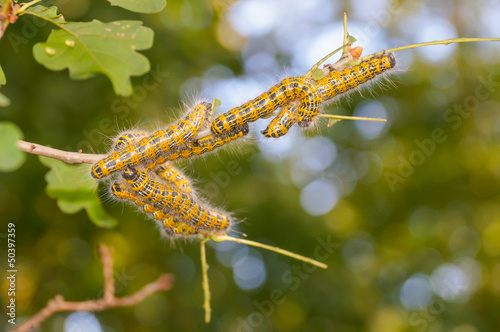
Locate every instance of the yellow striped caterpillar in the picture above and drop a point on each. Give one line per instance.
(172, 174)
(284, 93)
(280, 125)
(173, 225)
(165, 171)
(202, 145)
(129, 138)
(159, 142)
(340, 81)
(178, 202)
(279, 95)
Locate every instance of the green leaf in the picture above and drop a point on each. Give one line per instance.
(88, 48)
(4, 101)
(11, 158)
(318, 74)
(74, 189)
(3, 80)
(331, 122)
(47, 13)
(215, 105)
(352, 40)
(144, 6)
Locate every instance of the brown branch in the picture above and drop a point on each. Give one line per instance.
(58, 304)
(107, 271)
(67, 157)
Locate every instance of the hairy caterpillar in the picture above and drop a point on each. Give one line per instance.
(202, 145)
(340, 81)
(149, 147)
(172, 174)
(175, 200)
(129, 138)
(279, 95)
(335, 83)
(173, 225)
(280, 125)
(165, 171)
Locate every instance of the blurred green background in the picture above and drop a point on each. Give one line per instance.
(411, 208)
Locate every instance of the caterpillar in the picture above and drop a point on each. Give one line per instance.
(165, 171)
(201, 145)
(309, 93)
(279, 95)
(280, 125)
(129, 139)
(173, 225)
(340, 81)
(180, 203)
(149, 147)
(337, 82)
(172, 174)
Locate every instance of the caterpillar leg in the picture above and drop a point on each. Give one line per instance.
(280, 125)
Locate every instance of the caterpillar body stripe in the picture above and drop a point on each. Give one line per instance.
(340, 81)
(202, 145)
(149, 147)
(279, 95)
(280, 125)
(129, 139)
(173, 225)
(171, 174)
(172, 198)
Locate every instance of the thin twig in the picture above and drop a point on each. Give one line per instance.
(441, 42)
(220, 238)
(347, 117)
(107, 271)
(67, 157)
(58, 304)
(206, 286)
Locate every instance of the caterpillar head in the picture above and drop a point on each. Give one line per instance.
(130, 174)
(392, 59)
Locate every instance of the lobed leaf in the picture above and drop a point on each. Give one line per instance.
(144, 6)
(89, 48)
(47, 13)
(74, 189)
(11, 158)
